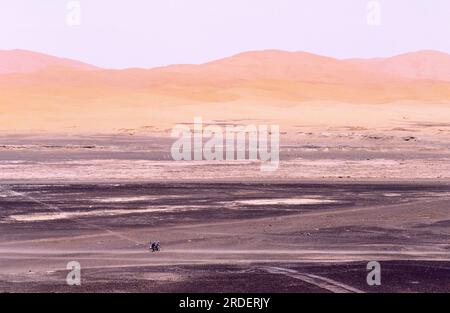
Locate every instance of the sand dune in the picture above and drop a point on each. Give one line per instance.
(426, 65)
(41, 92)
(21, 61)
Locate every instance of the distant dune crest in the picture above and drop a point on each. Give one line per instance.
(429, 65)
(22, 61)
(275, 64)
(41, 92)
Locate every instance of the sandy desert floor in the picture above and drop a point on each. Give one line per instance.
(406, 152)
(227, 237)
(341, 197)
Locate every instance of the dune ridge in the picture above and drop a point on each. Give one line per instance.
(45, 92)
(23, 61)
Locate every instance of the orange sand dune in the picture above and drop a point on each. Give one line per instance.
(429, 65)
(57, 94)
(21, 61)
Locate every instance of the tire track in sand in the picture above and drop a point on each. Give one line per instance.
(319, 281)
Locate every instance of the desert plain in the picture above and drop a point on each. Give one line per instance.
(86, 175)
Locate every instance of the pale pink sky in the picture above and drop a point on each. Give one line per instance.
(147, 33)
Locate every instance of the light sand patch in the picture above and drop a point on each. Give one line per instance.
(53, 216)
(304, 201)
(127, 199)
(161, 276)
(389, 194)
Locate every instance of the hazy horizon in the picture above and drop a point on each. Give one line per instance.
(229, 56)
(151, 34)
